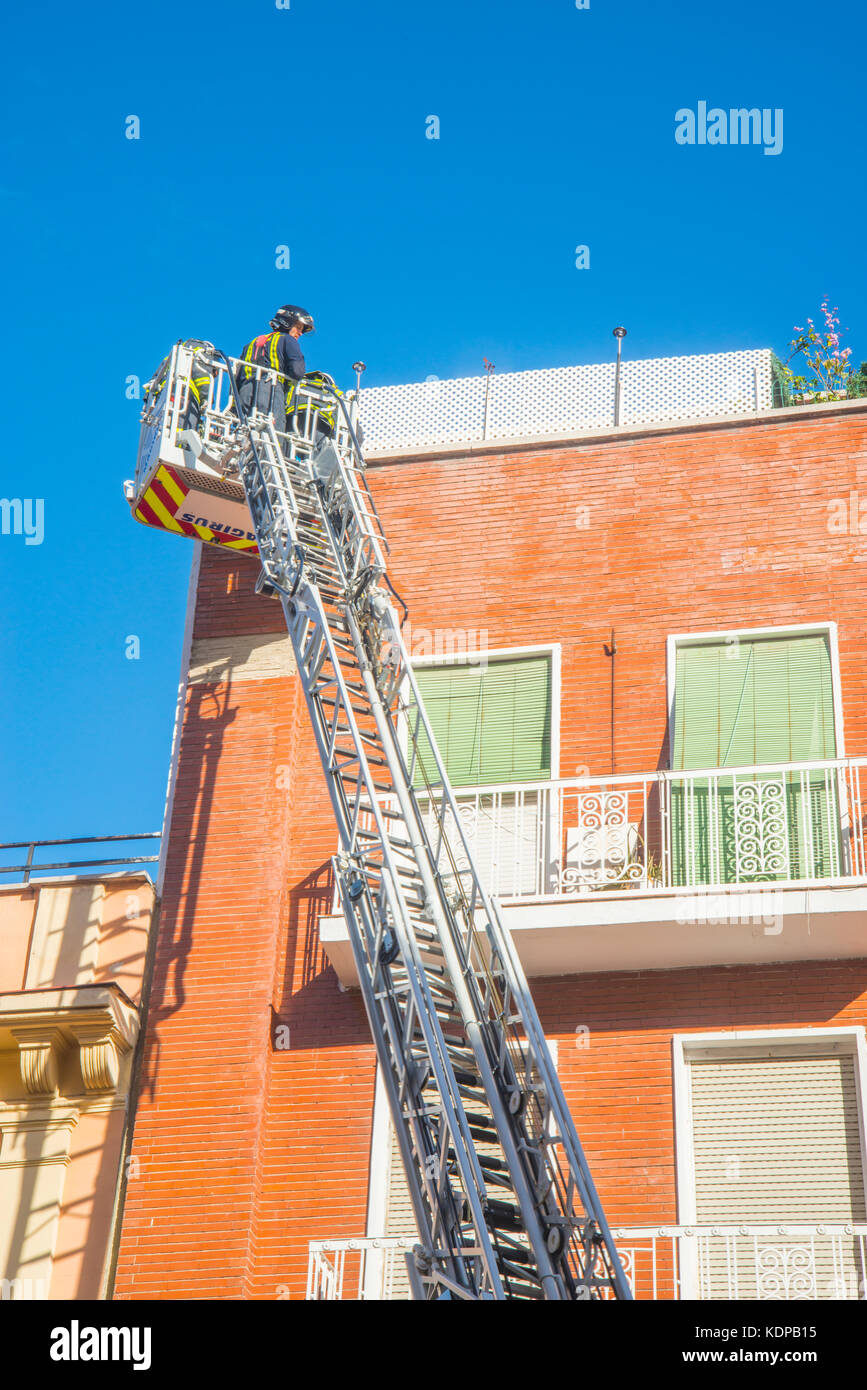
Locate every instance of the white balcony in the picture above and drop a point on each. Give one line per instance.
(711, 866)
(784, 823)
(768, 1262)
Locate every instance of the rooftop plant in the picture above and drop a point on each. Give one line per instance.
(825, 373)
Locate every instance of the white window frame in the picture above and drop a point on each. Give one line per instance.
(690, 1047)
(698, 639)
(554, 650)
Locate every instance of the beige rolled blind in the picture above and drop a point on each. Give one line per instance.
(399, 1220)
(777, 1140)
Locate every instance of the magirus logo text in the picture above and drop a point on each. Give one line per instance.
(738, 126)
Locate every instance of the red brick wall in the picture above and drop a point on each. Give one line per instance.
(245, 1151)
(619, 1081)
(721, 529)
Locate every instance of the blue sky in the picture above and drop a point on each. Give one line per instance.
(306, 127)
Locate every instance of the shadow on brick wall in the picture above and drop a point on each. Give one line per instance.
(312, 1005)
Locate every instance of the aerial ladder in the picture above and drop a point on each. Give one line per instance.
(501, 1191)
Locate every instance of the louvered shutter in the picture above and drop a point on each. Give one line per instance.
(493, 723)
(776, 1140)
(761, 700)
(399, 1220)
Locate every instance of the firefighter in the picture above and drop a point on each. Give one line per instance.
(199, 381)
(323, 413)
(278, 350)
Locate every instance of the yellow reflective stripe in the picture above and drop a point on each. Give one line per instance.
(248, 357)
(171, 485)
(275, 361)
(165, 517)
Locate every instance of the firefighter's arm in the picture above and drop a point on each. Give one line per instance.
(292, 358)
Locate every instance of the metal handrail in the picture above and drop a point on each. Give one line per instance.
(591, 779)
(32, 845)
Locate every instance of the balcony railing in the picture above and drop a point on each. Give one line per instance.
(559, 400)
(783, 823)
(40, 847)
(771, 1262)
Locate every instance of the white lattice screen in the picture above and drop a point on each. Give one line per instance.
(524, 404)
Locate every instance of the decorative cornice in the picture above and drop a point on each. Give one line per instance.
(97, 1019)
(39, 1049)
(100, 1048)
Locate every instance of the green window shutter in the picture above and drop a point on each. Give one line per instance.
(492, 724)
(757, 701)
(762, 700)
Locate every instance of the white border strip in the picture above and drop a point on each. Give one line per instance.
(192, 591)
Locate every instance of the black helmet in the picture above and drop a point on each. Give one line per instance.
(320, 376)
(290, 314)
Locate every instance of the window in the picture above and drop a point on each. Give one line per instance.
(754, 699)
(750, 700)
(492, 721)
(495, 723)
(772, 1134)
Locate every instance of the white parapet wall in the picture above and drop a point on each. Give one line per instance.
(563, 399)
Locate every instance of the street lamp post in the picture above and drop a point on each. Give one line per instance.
(620, 334)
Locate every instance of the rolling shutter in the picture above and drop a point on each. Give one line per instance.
(492, 723)
(399, 1220)
(762, 700)
(776, 1140)
(756, 701)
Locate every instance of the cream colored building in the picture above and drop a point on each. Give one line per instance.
(72, 960)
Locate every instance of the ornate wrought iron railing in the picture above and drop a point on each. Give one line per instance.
(777, 1262)
(780, 824)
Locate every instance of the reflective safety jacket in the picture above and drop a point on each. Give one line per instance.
(326, 412)
(280, 351)
(199, 377)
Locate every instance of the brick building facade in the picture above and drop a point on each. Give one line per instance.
(256, 1129)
